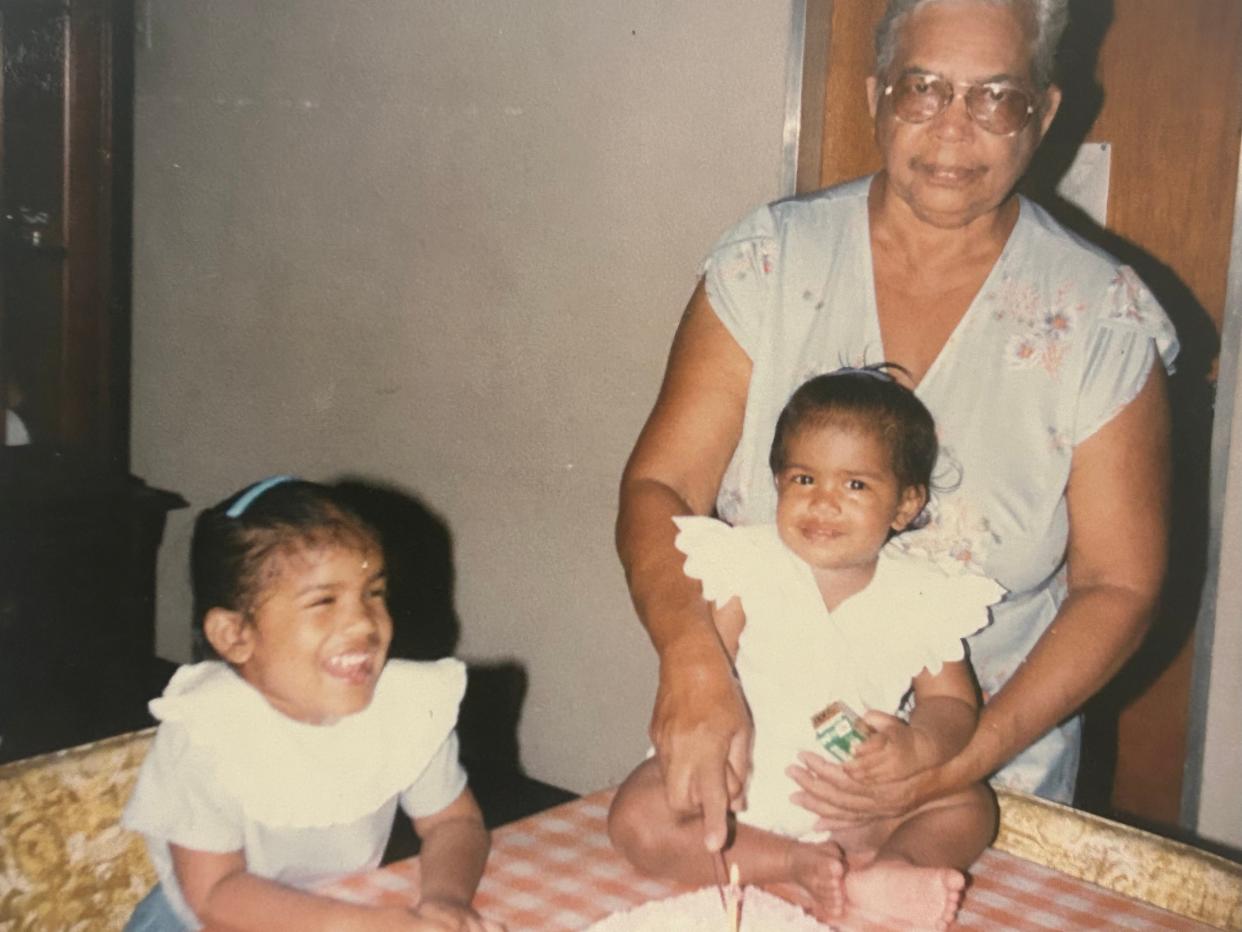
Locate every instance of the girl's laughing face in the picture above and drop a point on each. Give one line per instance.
(318, 636)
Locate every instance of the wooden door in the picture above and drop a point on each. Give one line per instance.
(1161, 82)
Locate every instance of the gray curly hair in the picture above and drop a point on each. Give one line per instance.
(1050, 18)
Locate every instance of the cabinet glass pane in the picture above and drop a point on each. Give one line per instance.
(32, 339)
(32, 168)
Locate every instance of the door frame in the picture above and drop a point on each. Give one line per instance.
(1213, 752)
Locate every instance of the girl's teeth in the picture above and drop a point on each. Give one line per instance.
(346, 662)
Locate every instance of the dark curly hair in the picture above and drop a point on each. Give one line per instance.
(866, 399)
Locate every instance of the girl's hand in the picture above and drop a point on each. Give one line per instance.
(450, 916)
(895, 751)
(843, 801)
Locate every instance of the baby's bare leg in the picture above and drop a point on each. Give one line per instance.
(660, 842)
(916, 875)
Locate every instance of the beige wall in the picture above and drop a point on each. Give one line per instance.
(443, 245)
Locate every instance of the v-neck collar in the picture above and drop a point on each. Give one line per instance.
(873, 305)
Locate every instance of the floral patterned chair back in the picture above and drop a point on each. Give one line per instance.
(66, 865)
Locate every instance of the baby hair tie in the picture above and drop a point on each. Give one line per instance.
(877, 370)
(238, 508)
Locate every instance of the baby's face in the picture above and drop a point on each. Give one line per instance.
(321, 631)
(838, 498)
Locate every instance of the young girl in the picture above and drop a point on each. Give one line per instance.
(815, 610)
(281, 764)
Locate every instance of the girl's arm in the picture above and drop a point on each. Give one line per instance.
(700, 727)
(1118, 498)
(454, 851)
(226, 898)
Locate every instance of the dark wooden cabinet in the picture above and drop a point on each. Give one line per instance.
(77, 614)
(78, 533)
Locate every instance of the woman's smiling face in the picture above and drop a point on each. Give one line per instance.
(317, 639)
(949, 170)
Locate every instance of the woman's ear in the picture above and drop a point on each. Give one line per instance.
(230, 634)
(1052, 103)
(873, 94)
(913, 498)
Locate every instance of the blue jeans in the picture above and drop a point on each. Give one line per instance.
(155, 914)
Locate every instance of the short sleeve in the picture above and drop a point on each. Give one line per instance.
(738, 276)
(930, 611)
(1132, 334)
(713, 556)
(178, 799)
(962, 604)
(441, 782)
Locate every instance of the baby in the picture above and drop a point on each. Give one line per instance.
(814, 611)
(281, 764)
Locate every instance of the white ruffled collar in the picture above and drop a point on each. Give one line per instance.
(289, 773)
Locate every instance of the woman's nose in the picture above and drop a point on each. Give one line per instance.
(954, 120)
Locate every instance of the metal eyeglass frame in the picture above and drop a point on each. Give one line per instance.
(970, 86)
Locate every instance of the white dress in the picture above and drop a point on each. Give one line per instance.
(228, 772)
(795, 657)
(1059, 339)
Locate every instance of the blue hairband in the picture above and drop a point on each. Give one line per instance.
(875, 370)
(246, 499)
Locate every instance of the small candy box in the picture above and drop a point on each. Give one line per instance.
(839, 730)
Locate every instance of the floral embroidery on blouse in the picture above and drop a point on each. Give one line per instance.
(1059, 441)
(1046, 328)
(747, 257)
(1133, 291)
(955, 531)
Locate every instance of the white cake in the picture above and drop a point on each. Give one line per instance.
(701, 911)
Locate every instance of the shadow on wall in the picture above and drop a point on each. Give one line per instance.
(1191, 396)
(418, 551)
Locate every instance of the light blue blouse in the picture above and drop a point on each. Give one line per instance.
(1058, 340)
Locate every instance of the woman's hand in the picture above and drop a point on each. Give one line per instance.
(701, 730)
(842, 800)
(902, 765)
(444, 915)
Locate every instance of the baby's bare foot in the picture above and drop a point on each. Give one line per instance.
(924, 897)
(819, 869)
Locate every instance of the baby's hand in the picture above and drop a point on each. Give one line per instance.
(449, 916)
(895, 750)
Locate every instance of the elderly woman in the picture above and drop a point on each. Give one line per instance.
(1042, 359)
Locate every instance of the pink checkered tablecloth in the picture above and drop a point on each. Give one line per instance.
(557, 872)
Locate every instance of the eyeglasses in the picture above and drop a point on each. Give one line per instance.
(997, 107)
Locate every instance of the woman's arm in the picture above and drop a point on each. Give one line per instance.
(700, 726)
(1118, 499)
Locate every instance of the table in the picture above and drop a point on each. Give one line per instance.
(556, 872)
